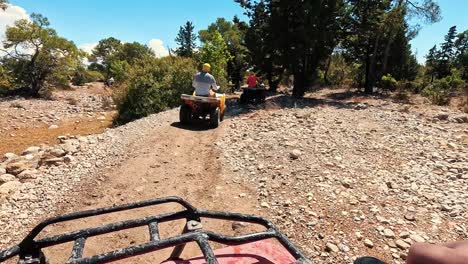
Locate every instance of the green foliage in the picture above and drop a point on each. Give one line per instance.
(215, 53)
(461, 54)
(402, 95)
(337, 72)
(294, 35)
(233, 34)
(186, 41)
(437, 93)
(83, 76)
(113, 59)
(6, 79)
(380, 38)
(103, 55)
(153, 85)
(454, 80)
(119, 70)
(132, 52)
(37, 57)
(388, 82)
(446, 54)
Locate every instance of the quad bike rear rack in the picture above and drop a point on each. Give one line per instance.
(29, 249)
(202, 99)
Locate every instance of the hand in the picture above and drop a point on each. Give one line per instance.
(450, 253)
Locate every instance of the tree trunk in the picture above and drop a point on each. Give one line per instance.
(299, 83)
(273, 84)
(387, 54)
(327, 68)
(389, 44)
(35, 84)
(373, 62)
(368, 89)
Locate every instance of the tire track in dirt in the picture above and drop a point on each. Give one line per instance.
(172, 161)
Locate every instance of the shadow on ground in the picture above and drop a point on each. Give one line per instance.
(350, 94)
(195, 125)
(281, 101)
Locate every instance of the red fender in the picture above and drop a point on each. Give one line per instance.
(260, 252)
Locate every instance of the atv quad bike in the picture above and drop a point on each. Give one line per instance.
(253, 95)
(250, 248)
(201, 107)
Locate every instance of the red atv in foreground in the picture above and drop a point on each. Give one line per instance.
(245, 249)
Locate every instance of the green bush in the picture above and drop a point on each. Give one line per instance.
(388, 82)
(153, 85)
(437, 95)
(82, 76)
(454, 81)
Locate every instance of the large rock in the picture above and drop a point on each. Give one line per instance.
(16, 168)
(388, 233)
(68, 159)
(295, 154)
(53, 161)
(27, 174)
(442, 116)
(57, 152)
(7, 178)
(71, 146)
(2, 171)
(10, 156)
(31, 150)
(459, 119)
(10, 187)
(330, 247)
(402, 244)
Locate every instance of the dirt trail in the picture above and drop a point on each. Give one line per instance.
(32, 136)
(173, 161)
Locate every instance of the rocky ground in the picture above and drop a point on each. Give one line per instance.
(41, 179)
(81, 110)
(16, 113)
(342, 177)
(346, 179)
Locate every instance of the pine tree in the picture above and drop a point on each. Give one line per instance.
(446, 54)
(294, 35)
(186, 40)
(431, 62)
(461, 54)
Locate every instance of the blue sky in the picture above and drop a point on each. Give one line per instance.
(88, 21)
(454, 13)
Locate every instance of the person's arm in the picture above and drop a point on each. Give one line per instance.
(214, 86)
(451, 253)
(194, 84)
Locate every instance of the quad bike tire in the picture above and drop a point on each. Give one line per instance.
(215, 117)
(185, 114)
(243, 99)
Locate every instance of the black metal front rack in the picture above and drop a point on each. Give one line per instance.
(30, 250)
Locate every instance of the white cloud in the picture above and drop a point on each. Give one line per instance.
(8, 18)
(157, 46)
(87, 47)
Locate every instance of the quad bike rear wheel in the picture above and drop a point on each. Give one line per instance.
(243, 99)
(215, 117)
(185, 114)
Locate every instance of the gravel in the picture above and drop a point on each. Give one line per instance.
(360, 173)
(40, 187)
